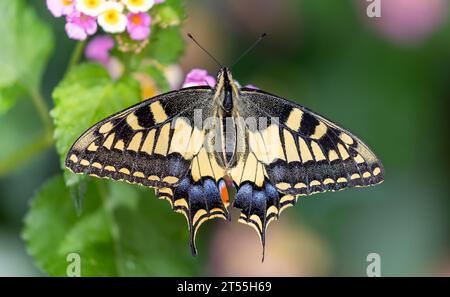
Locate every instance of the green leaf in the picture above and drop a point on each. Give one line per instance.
(26, 46)
(122, 232)
(85, 96)
(166, 45)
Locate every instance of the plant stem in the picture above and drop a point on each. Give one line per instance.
(20, 156)
(42, 108)
(76, 55)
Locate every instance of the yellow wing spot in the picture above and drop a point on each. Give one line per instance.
(181, 203)
(170, 179)
(320, 131)
(138, 174)
(332, 155)
(153, 178)
(358, 159)
(74, 158)
(343, 152)
(257, 220)
(197, 215)
(273, 145)
(167, 191)
(346, 138)
(249, 172)
(195, 170)
(291, 148)
(97, 165)
(287, 198)
(328, 181)
(257, 146)
(92, 147)
(181, 135)
(135, 142)
(133, 122)
(366, 174)
(259, 179)
(294, 119)
(271, 209)
(120, 145)
(162, 144)
(342, 180)
(105, 128)
(300, 186)
(110, 168)
(314, 183)
(109, 141)
(355, 176)
(147, 146)
(283, 186)
(124, 171)
(84, 162)
(304, 150)
(318, 154)
(205, 167)
(376, 171)
(93, 174)
(159, 114)
(196, 142)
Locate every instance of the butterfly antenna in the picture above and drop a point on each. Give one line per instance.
(208, 53)
(249, 49)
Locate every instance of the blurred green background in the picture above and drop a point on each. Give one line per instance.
(385, 79)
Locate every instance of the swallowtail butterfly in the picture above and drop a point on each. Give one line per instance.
(191, 143)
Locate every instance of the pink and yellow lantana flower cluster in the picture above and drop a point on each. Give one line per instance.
(113, 16)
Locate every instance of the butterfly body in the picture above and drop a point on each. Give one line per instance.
(188, 143)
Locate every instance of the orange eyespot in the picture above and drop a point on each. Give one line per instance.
(224, 193)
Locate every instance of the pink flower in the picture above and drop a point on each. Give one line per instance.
(79, 26)
(158, 1)
(60, 7)
(98, 49)
(138, 25)
(198, 77)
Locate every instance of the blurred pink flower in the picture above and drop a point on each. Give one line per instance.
(198, 77)
(98, 49)
(79, 26)
(410, 21)
(138, 25)
(158, 1)
(251, 87)
(60, 7)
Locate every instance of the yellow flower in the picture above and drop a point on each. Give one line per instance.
(136, 6)
(112, 20)
(90, 7)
